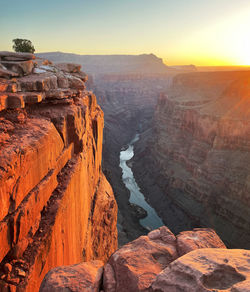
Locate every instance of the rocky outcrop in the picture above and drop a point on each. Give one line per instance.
(57, 207)
(146, 263)
(206, 270)
(82, 277)
(135, 265)
(197, 238)
(196, 158)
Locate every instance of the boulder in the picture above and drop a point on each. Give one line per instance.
(75, 82)
(138, 263)
(198, 238)
(81, 277)
(60, 93)
(206, 270)
(68, 67)
(21, 68)
(4, 73)
(33, 97)
(15, 101)
(18, 100)
(16, 55)
(62, 80)
(41, 82)
(83, 76)
(134, 266)
(9, 86)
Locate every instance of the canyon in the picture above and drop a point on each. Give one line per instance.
(183, 137)
(193, 151)
(195, 158)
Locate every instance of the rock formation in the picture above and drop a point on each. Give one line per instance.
(135, 265)
(127, 88)
(81, 277)
(196, 160)
(206, 270)
(57, 207)
(161, 262)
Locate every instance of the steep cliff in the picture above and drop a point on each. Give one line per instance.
(128, 103)
(196, 161)
(57, 207)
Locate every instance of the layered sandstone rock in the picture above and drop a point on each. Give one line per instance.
(206, 270)
(144, 262)
(135, 265)
(197, 238)
(197, 158)
(57, 207)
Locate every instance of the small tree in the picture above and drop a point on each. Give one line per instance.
(22, 45)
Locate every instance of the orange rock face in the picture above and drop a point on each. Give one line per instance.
(57, 207)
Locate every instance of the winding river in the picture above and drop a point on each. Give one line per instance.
(152, 220)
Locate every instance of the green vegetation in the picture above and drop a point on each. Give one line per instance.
(22, 45)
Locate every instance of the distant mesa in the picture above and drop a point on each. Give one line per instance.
(115, 64)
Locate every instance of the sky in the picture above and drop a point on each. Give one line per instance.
(200, 32)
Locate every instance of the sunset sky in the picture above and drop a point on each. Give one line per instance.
(200, 32)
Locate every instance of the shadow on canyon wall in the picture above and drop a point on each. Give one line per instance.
(192, 159)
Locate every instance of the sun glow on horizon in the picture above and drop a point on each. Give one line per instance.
(203, 33)
(224, 43)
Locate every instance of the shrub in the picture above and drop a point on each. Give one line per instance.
(22, 45)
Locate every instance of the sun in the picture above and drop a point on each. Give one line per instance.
(238, 39)
(245, 53)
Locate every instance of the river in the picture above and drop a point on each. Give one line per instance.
(152, 220)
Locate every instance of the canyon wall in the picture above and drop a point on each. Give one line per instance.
(57, 207)
(128, 103)
(127, 88)
(196, 158)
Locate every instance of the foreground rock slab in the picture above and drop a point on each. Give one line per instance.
(82, 277)
(198, 238)
(134, 266)
(206, 270)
